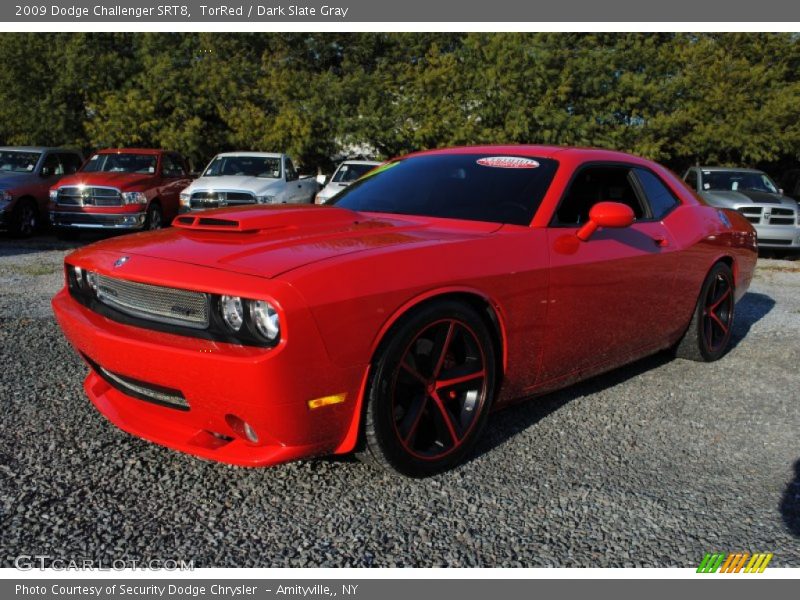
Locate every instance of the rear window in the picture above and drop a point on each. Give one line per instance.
(472, 187)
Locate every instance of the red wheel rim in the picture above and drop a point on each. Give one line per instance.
(718, 313)
(439, 389)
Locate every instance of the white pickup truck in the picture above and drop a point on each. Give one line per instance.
(238, 178)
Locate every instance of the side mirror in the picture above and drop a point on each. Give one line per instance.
(322, 179)
(780, 191)
(606, 214)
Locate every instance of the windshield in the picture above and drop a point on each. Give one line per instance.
(349, 172)
(473, 187)
(247, 166)
(18, 162)
(738, 180)
(121, 163)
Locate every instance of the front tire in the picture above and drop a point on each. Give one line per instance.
(24, 218)
(708, 337)
(154, 218)
(431, 391)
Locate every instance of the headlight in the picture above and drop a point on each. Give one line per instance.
(134, 198)
(265, 199)
(186, 199)
(232, 311)
(265, 319)
(54, 195)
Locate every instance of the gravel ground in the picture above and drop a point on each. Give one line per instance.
(651, 465)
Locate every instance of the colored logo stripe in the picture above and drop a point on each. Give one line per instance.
(733, 563)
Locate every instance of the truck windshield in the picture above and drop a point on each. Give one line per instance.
(349, 172)
(18, 162)
(738, 180)
(121, 163)
(473, 187)
(246, 166)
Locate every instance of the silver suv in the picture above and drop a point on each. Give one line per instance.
(775, 217)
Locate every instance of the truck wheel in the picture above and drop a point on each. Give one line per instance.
(24, 218)
(154, 219)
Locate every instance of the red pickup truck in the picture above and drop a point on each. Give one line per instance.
(127, 188)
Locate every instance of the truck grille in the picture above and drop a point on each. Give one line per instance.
(153, 302)
(752, 213)
(782, 216)
(203, 200)
(89, 196)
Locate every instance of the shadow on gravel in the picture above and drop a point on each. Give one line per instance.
(508, 422)
(11, 246)
(749, 310)
(790, 505)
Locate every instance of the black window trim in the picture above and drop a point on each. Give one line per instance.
(635, 183)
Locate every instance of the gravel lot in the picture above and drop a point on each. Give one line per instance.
(651, 465)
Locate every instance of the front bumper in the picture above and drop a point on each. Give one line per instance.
(778, 236)
(267, 388)
(86, 220)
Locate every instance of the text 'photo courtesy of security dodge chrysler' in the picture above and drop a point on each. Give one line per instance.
(440, 286)
(241, 178)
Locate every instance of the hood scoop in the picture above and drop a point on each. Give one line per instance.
(260, 218)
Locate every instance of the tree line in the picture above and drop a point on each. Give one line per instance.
(679, 98)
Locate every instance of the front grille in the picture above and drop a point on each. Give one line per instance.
(153, 302)
(782, 216)
(752, 213)
(89, 196)
(140, 389)
(202, 200)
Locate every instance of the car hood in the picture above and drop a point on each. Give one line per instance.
(267, 241)
(729, 197)
(256, 185)
(9, 180)
(117, 180)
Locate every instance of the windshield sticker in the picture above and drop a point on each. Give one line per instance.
(507, 162)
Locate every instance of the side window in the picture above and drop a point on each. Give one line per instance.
(658, 195)
(595, 184)
(52, 166)
(171, 166)
(691, 179)
(70, 162)
(291, 174)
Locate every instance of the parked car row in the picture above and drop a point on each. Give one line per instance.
(134, 188)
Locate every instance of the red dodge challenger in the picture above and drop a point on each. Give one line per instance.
(440, 286)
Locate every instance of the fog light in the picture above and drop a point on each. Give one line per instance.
(242, 428)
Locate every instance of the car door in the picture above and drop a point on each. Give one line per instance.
(294, 188)
(607, 294)
(174, 180)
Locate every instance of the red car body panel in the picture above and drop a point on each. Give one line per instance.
(157, 186)
(564, 309)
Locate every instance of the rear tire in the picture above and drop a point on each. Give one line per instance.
(708, 337)
(431, 391)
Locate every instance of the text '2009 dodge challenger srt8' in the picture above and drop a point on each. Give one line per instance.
(438, 287)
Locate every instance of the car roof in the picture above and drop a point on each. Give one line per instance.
(37, 149)
(361, 162)
(729, 169)
(256, 154)
(538, 151)
(130, 151)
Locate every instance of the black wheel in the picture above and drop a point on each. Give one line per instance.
(24, 218)
(709, 334)
(431, 391)
(154, 218)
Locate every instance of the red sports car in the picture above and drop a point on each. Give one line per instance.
(437, 288)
